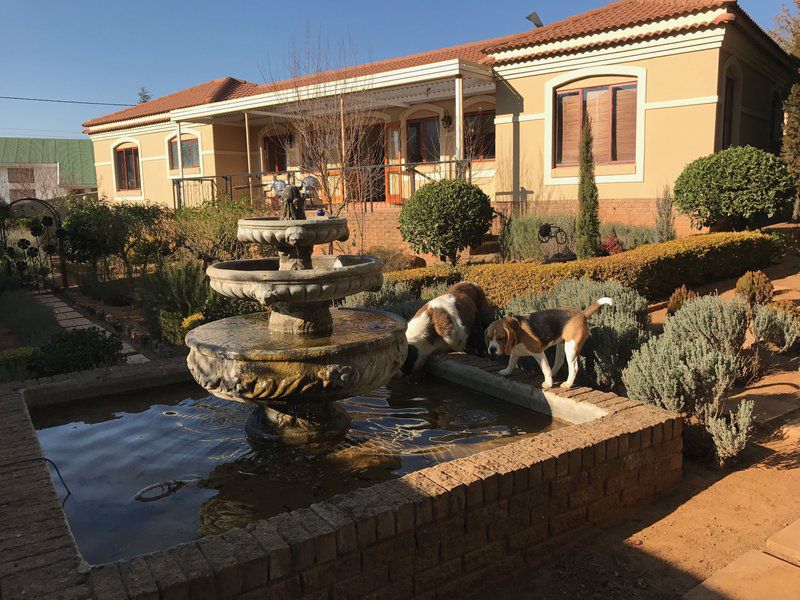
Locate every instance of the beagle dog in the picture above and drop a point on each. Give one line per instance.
(565, 328)
(443, 325)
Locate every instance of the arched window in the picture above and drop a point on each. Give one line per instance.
(610, 107)
(190, 152)
(126, 167)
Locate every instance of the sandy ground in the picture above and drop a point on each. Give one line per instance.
(666, 548)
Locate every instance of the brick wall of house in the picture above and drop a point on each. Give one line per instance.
(378, 223)
(435, 533)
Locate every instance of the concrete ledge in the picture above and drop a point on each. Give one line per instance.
(474, 373)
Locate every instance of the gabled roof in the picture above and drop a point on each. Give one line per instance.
(614, 16)
(74, 157)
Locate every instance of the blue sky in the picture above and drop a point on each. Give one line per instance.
(104, 50)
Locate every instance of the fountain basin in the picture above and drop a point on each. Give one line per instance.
(294, 380)
(331, 278)
(274, 231)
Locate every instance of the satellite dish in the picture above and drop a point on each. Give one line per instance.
(534, 18)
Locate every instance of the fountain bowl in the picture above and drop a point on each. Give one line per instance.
(331, 278)
(279, 233)
(293, 381)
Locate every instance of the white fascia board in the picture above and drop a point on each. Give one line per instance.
(429, 72)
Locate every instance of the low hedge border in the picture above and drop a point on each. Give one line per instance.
(654, 270)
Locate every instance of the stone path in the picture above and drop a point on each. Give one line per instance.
(772, 573)
(70, 319)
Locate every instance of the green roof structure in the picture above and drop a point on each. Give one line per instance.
(75, 157)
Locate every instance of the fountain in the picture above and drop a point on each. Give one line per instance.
(294, 361)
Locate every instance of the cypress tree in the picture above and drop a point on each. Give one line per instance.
(790, 150)
(587, 223)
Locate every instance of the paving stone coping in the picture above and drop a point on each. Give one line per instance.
(434, 533)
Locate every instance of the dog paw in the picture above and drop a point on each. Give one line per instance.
(505, 372)
(565, 386)
(547, 385)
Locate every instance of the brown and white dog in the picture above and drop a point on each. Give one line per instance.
(443, 325)
(565, 328)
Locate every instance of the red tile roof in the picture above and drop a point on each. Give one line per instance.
(626, 13)
(612, 16)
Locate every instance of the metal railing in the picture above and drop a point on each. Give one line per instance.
(390, 183)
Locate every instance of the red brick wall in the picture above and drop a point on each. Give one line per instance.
(379, 221)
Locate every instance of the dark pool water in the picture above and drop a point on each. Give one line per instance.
(153, 469)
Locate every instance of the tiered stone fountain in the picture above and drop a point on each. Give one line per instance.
(295, 360)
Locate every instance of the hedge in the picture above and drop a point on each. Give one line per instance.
(654, 270)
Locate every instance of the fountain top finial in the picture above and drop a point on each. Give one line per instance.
(293, 204)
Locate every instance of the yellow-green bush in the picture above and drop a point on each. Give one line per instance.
(654, 270)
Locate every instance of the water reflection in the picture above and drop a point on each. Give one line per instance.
(184, 455)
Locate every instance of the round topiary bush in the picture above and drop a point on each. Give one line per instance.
(445, 217)
(736, 188)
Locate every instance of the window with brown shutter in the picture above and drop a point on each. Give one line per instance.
(127, 168)
(612, 112)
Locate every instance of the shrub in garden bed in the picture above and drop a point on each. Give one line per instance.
(736, 188)
(755, 287)
(691, 369)
(519, 238)
(630, 236)
(445, 217)
(209, 231)
(778, 325)
(654, 270)
(76, 350)
(678, 298)
(32, 322)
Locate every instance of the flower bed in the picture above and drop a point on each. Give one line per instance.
(654, 270)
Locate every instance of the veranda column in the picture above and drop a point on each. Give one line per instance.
(249, 158)
(178, 141)
(459, 119)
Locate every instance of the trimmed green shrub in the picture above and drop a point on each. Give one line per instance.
(730, 434)
(445, 217)
(519, 238)
(654, 270)
(116, 292)
(776, 325)
(616, 331)
(790, 146)
(77, 350)
(755, 287)
(737, 188)
(587, 222)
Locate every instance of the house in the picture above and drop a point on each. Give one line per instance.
(45, 168)
(663, 81)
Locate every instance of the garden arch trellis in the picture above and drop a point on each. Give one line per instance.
(48, 240)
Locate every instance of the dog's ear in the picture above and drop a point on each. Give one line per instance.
(512, 329)
(488, 333)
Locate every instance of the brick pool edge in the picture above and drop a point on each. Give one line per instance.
(434, 533)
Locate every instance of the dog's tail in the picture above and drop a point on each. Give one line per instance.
(588, 312)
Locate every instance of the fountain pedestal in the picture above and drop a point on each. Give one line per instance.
(295, 361)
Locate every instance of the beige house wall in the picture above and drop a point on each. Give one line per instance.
(156, 177)
(676, 95)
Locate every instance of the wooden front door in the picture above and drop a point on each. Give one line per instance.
(393, 158)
